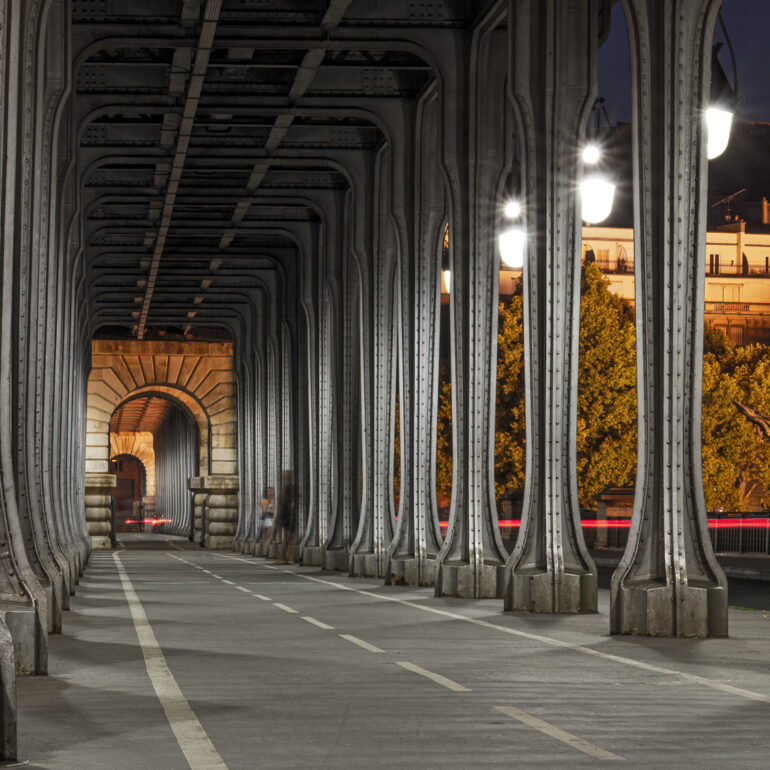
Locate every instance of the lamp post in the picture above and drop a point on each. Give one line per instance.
(513, 240)
(723, 102)
(597, 190)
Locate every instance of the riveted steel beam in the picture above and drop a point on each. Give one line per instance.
(553, 80)
(472, 557)
(669, 582)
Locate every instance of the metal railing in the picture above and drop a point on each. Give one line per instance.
(740, 532)
(730, 532)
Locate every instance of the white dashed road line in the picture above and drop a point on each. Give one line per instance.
(361, 643)
(560, 735)
(318, 623)
(193, 741)
(437, 678)
(285, 608)
(547, 640)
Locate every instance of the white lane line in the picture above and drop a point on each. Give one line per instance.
(174, 545)
(229, 582)
(318, 623)
(245, 590)
(361, 643)
(263, 597)
(560, 735)
(437, 678)
(549, 640)
(284, 608)
(195, 744)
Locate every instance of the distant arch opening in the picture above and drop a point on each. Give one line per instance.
(153, 454)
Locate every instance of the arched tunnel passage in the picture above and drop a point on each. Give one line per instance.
(145, 396)
(153, 455)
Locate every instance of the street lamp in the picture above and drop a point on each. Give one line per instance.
(724, 99)
(597, 190)
(446, 272)
(513, 240)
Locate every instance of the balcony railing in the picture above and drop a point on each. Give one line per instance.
(625, 265)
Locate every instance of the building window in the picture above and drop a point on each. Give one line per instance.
(735, 335)
(713, 264)
(724, 292)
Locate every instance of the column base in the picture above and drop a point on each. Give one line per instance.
(532, 590)
(463, 581)
(8, 695)
(654, 608)
(411, 572)
(219, 542)
(312, 556)
(100, 542)
(22, 624)
(336, 559)
(367, 565)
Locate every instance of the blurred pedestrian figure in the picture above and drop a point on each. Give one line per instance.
(267, 508)
(287, 516)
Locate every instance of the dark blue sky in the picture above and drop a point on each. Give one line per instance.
(748, 24)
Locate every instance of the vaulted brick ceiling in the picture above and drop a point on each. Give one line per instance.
(141, 414)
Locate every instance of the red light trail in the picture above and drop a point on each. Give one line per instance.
(742, 523)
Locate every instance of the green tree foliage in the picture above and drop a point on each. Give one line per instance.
(736, 458)
(510, 423)
(735, 455)
(444, 439)
(606, 410)
(606, 418)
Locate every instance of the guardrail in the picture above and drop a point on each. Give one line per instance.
(731, 532)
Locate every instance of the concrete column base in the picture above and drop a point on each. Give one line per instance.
(336, 559)
(7, 695)
(98, 511)
(220, 494)
(21, 622)
(657, 609)
(531, 590)
(367, 565)
(313, 556)
(411, 572)
(462, 580)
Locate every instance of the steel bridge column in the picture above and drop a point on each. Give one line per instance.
(554, 71)
(669, 582)
(375, 526)
(472, 558)
(411, 555)
(335, 401)
(347, 401)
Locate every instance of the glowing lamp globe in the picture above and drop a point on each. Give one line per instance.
(718, 125)
(512, 210)
(447, 275)
(591, 155)
(597, 195)
(512, 243)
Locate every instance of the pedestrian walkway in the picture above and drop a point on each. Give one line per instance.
(174, 657)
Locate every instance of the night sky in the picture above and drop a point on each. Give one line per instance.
(748, 23)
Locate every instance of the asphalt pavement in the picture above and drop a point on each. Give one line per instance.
(174, 657)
